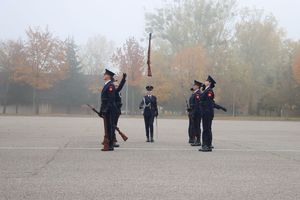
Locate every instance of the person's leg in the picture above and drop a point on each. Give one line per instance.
(196, 127)
(111, 129)
(106, 137)
(151, 122)
(206, 121)
(116, 119)
(191, 134)
(200, 120)
(205, 134)
(146, 119)
(210, 133)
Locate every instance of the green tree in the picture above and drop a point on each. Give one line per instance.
(258, 47)
(72, 90)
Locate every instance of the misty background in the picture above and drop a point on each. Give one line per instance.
(250, 47)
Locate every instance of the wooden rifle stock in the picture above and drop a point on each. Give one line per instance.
(124, 137)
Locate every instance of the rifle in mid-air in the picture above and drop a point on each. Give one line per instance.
(149, 56)
(124, 137)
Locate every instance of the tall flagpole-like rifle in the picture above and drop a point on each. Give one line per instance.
(124, 137)
(149, 56)
(149, 72)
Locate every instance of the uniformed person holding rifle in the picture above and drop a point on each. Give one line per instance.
(108, 110)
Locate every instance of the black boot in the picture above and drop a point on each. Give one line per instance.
(205, 149)
(191, 141)
(151, 140)
(197, 143)
(148, 140)
(116, 145)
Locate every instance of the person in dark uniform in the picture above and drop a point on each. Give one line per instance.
(149, 104)
(190, 129)
(108, 110)
(208, 105)
(118, 98)
(196, 113)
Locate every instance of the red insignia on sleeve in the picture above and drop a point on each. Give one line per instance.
(197, 96)
(110, 89)
(210, 94)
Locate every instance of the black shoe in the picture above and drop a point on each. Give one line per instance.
(116, 145)
(212, 147)
(152, 140)
(111, 149)
(147, 140)
(205, 149)
(191, 141)
(196, 144)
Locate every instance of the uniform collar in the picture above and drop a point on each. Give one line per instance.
(208, 87)
(107, 82)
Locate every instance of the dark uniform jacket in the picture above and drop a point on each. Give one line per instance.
(207, 102)
(150, 105)
(108, 98)
(195, 106)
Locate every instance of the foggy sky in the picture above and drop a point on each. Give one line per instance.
(116, 19)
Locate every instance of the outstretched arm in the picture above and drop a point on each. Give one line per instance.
(122, 83)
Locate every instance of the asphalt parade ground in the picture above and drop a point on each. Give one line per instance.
(60, 158)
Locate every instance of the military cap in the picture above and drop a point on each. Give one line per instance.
(109, 72)
(198, 83)
(149, 88)
(211, 80)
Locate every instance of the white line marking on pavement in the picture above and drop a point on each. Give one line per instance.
(147, 149)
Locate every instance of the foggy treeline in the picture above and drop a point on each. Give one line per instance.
(256, 66)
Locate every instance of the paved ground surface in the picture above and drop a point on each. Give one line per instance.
(60, 158)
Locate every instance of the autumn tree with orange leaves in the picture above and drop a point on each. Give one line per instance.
(190, 64)
(130, 59)
(43, 62)
(296, 68)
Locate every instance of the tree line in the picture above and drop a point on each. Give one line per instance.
(257, 67)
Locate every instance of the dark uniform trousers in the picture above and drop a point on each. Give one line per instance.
(195, 115)
(197, 128)
(109, 118)
(191, 129)
(207, 99)
(207, 134)
(149, 104)
(108, 111)
(149, 120)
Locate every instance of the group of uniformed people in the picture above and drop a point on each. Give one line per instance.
(200, 110)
